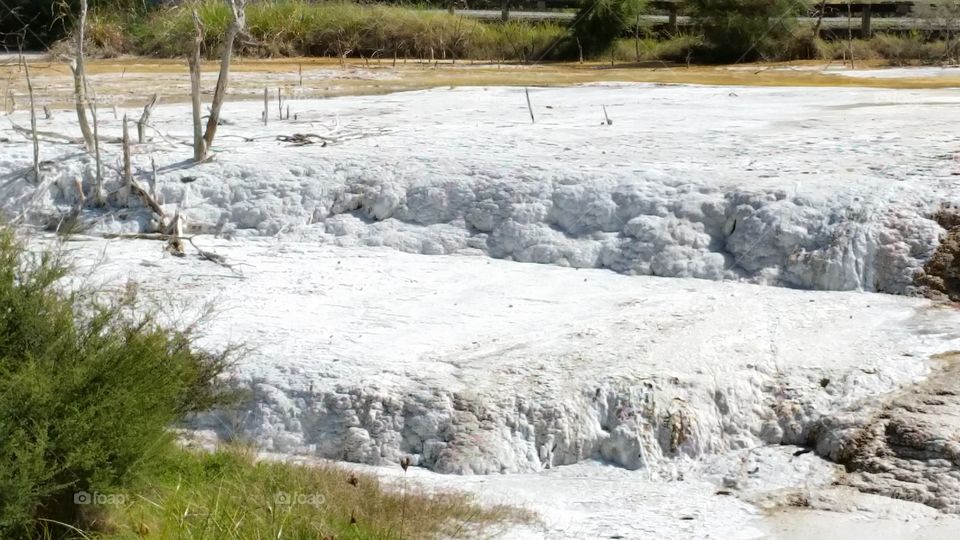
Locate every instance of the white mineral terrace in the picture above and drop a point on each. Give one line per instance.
(375, 275)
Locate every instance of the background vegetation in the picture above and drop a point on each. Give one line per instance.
(723, 31)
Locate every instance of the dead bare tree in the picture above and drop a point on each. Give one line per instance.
(237, 23)
(80, 80)
(193, 61)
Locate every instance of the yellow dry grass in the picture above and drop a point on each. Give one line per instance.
(129, 81)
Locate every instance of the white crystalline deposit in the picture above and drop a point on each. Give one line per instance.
(820, 188)
(475, 365)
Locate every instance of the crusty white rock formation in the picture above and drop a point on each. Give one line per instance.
(818, 188)
(473, 365)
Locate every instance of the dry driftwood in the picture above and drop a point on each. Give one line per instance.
(52, 136)
(303, 139)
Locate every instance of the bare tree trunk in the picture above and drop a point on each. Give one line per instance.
(193, 62)
(145, 117)
(80, 81)
(33, 120)
(236, 26)
(127, 167)
(98, 198)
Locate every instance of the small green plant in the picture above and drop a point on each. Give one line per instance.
(89, 385)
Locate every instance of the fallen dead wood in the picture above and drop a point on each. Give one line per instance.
(136, 236)
(172, 237)
(303, 139)
(57, 137)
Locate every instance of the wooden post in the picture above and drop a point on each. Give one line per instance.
(504, 10)
(865, 22)
(127, 168)
(672, 21)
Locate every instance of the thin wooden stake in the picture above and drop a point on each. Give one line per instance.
(529, 106)
(145, 117)
(266, 105)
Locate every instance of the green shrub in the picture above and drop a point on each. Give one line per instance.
(88, 389)
(744, 30)
(599, 23)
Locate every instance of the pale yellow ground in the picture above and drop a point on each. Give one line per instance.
(131, 81)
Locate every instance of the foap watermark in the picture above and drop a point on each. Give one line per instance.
(285, 498)
(102, 499)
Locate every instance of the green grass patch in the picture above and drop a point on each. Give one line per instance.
(228, 495)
